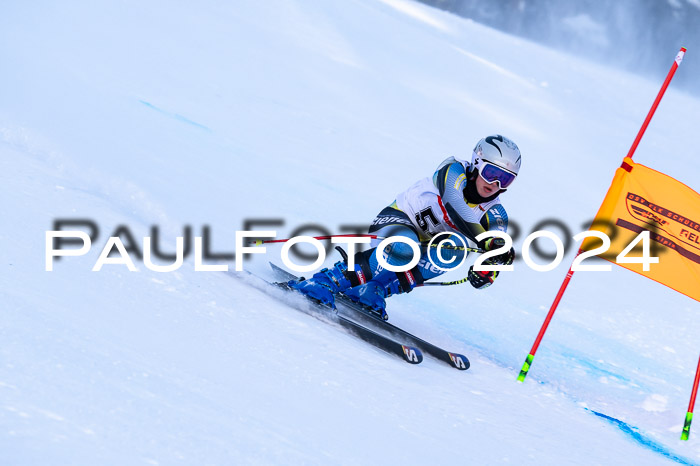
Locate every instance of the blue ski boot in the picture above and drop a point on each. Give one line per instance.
(373, 294)
(324, 284)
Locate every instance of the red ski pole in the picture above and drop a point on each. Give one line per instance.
(260, 242)
(630, 154)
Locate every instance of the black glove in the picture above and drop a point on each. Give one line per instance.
(506, 258)
(481, 280)
(489, 244)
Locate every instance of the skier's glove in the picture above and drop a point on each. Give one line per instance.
(506, 258)
(481, 280)
(489, 244)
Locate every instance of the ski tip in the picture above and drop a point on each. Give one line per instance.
(459, 361)
(412, 355)
(274, 266)
(281, 273)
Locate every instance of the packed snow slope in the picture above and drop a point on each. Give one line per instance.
(168, 114)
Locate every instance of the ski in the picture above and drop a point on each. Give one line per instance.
(456, 360)
(408, 353)
(347, 307)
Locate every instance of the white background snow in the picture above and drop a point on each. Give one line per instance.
(174, 113)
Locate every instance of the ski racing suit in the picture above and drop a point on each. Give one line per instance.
(429, 207)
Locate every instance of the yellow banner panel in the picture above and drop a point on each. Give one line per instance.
(642, 199)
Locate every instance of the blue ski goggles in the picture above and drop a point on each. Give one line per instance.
(492, 173)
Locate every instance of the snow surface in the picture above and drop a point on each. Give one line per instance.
(174, 113)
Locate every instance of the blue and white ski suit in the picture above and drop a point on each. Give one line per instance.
(432, 206)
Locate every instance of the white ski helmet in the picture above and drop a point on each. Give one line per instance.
(497, 158)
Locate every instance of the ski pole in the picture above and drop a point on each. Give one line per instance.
(455, 248)
(260, 242)
(456, 282)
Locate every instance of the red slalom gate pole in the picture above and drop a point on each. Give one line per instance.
(547, 320)
(531, 356)
(662, 91)
(691, 405)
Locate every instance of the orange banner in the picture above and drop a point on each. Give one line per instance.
(642, 199)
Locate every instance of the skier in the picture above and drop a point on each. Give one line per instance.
(461, 198)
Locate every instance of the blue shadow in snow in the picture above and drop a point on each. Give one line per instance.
(593, 368)
(175, 116)
(642, 439)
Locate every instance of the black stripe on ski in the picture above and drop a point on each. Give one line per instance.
(343, 303)
(456, 360)
(408, 353)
